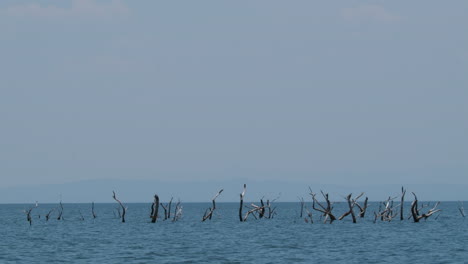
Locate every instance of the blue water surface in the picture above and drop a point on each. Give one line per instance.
(286, 238)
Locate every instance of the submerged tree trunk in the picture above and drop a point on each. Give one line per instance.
(28, 214)
(302, 206)
(209, 213)
(460, 208)
(59, 217)
(415, 210)
(362, 209)
(403, 192)
(155, 209)
(326, 211)
(177, 212)
(92, 211)
(242, 203)
(48, 214)
(169, 208)
(124, 209)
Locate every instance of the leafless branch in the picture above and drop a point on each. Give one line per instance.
(124, 209)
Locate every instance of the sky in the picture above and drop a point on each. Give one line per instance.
(315, 92)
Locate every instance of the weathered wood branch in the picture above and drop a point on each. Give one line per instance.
(460, 208)
(28, 214)
(388, 212)
(124, 209)
(261, 212)
(251, 211)
(403, 192)
(362, 209)
(165, 210)
(351, 203)
(92, 211)
(47, 216)
(302, 206)
(59, 217)
(177, 212)
(155, 209)
(415, 210)
(208, 214)
(326, 211)
(169, 208)
(242, 203)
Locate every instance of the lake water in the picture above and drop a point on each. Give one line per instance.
(284, 239)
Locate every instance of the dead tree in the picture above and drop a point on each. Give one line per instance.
(81, 215)
(167, 209)
(28, 214)
(460, 208)
(177, 212)
(92, 211)
(261, 211)
(326, 211)
(386, 210)
(124, 209)
(209, 212)
(403, 192)
(271, 212)
(253, 209)
(242, 203)
(59, 217)
(302, 206)
(362, 209)
(351, 204)
(309, 214)
(47, 216)
(155, 209)
(415, 212)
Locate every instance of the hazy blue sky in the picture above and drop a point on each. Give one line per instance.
(330, 92)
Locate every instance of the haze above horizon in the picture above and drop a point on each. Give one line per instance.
(325, 92)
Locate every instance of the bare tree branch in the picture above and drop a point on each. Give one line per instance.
(124, 209)
(155, 209)
(242, 203)
(210, 211)
(92, 211)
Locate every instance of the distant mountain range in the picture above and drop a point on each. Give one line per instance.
(202, 191)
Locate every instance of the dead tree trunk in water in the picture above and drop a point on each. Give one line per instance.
(415, 210)
(92, 211)
(326, 211)
(302, 206)
(242, 203)
(261, 212)
(255, 208)
(362, 209)
(169, 208)
(124, 209)
(165, 210)
(351, 203)
(177, 212)
(403, 192)
(155, 209)
(209, 213)
(47, 216)
(28, 214)
(59, 217)
(460, 208)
